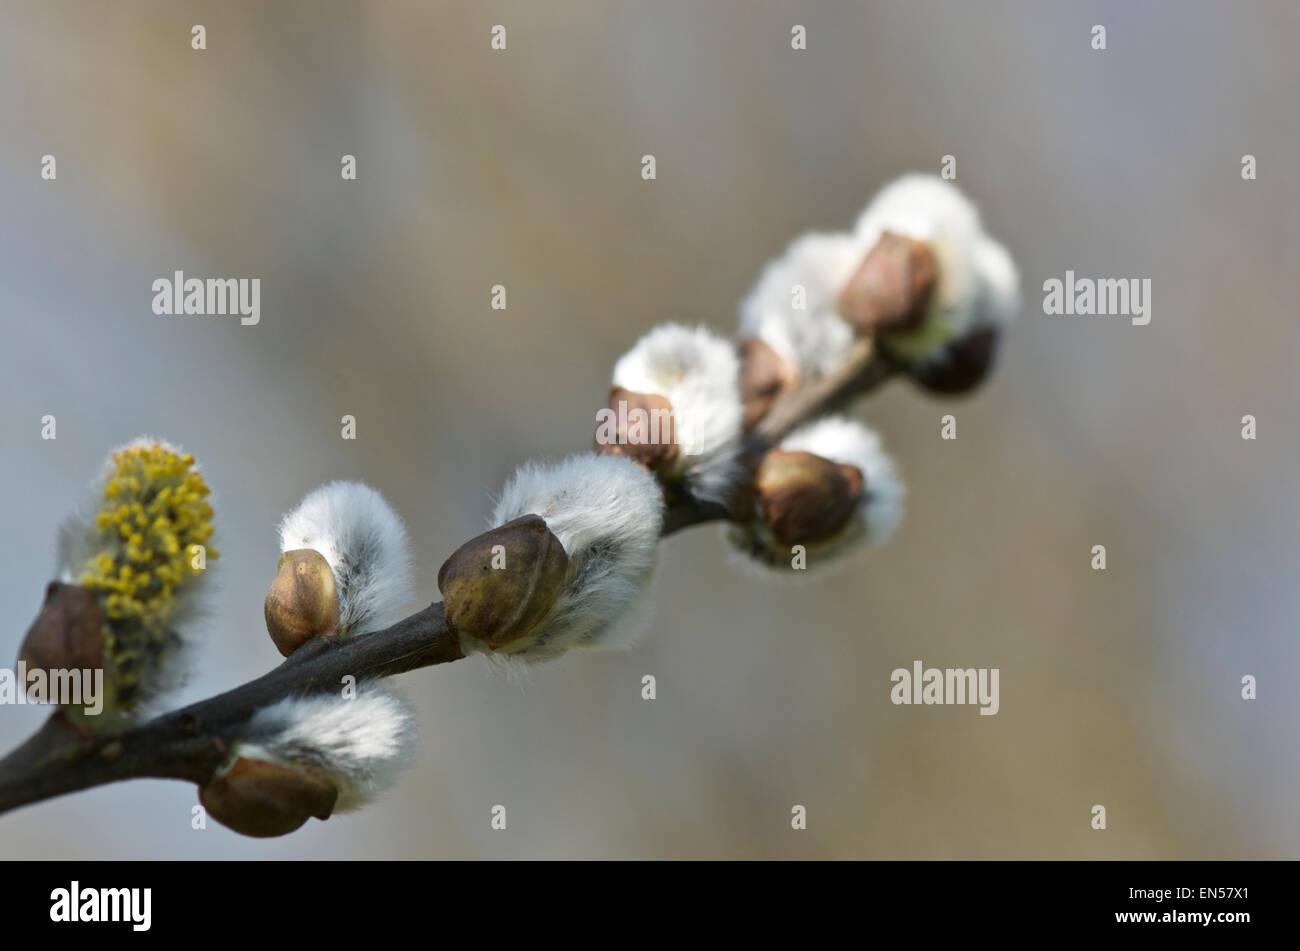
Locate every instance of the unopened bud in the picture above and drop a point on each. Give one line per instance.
(262, 799)
(68, 633)
(805, 498)
(498, 586)
(642, 429)
(302, 602)
(963, 366)
(892, 288)
(764, 377)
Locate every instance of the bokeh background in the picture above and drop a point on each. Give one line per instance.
(522, 168)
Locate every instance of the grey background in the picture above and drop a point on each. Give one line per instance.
(1118, 687)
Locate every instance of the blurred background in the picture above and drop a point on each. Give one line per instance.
(1118, 687)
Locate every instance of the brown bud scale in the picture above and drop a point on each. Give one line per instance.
(68, 634)
(764, 377)
(805, 498)
(499, 585)
(643, 430)
(261, 799)
(891, 290)
(303, 602)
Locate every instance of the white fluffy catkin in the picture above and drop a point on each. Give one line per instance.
(697, 372)
(879, 510)
(607, 512)
(366, 545)
(977, 281)
(358, 745)
(848, 442)
(999, 285)
(792, 307)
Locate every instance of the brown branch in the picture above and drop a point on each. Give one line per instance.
(862, 372)
(190, 744)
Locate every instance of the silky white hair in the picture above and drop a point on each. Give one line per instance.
(977, 281)
(359, 745)
(607, 512)
(366, 545)
(879, 508)
(999, 285)
(698, 373)
(814, 340)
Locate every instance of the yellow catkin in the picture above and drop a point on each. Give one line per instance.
(153, 510)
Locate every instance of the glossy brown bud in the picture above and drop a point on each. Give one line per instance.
(262, 799)
(892, 288)
(498, 586)
(962, 366)
(302, 602)
(640, 427)
(805, 498)
(68, 633)
(764, 377)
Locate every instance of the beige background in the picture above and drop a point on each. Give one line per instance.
(522, 168)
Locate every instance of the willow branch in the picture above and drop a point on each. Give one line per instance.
(861, 373)
(191, 743)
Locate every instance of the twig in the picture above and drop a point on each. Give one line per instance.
(190, 744)
(861, 373)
